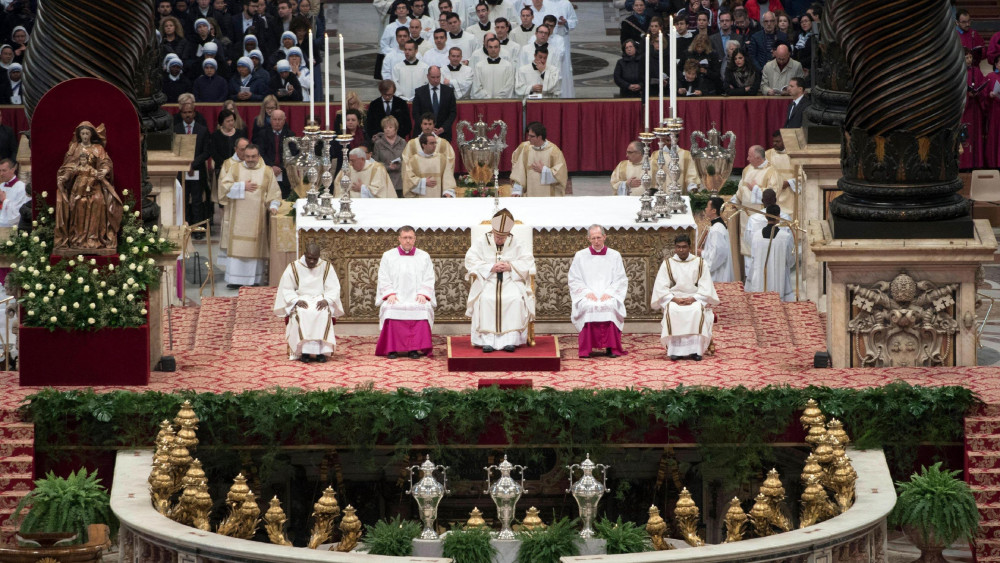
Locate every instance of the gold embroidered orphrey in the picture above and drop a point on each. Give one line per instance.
(903, 322)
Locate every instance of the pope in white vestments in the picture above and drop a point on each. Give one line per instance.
(309, 296)
(597, 289)
(773, 251)
(251, 191)
(501, 302)
(684, 290)
(717, 251)
(406, 301)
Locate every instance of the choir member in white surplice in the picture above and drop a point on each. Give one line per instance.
(410, 73)
(773, 250)
(597, 288)
(684, 290)
(756, 222)
(309, 296)
(405, 298)
(251, 191)
(538, 78)
(717, 251)
(501, 303)
(493, 78)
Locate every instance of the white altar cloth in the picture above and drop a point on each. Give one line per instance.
(542, 213)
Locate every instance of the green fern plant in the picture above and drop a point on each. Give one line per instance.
(393, 537)
(938, 504)
(561, 539)
(67, 505)
(469, 546)
(622, 537)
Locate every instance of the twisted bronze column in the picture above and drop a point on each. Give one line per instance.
(900, 146)
(832, 90)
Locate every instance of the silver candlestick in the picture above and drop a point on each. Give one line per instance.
(588, 491)
(428, 494)
(660, 198)
(496, 190)
(505, 493)
(345, 215)
(646, 213)
(675, 203)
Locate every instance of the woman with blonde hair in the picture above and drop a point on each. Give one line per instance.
(388, 149)
(708, 61)
(353, 102)
(231, 106)
(263, 120)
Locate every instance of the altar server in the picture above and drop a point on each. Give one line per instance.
(626, 178)
(688, 179)
(368, 178)
(716, 250)
(428, 173)
(538, 79)
(782, 164)
(493, 78)
(410, 73)
(538, 167)
(12, 194)
(773, 252)
(758, 175)
(251, 190)
(597, 289)
(405, 298)
(684, 290)
(756, 222)
(309, 296)
(501, 303)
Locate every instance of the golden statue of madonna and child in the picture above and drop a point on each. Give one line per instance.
(88, 210)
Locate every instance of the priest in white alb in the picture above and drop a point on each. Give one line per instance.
(773, 251)
(501, 302)
(626, 178)
(429, 172)
(758, 175)
(368, 178)
(597, 289)
(309, 297)
(405, 298)
(684, 290)
(538, 167)
(251, 191)
(716, 250)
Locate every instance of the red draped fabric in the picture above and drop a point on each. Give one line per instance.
(14, 117)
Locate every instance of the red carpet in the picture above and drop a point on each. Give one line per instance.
(543, 356)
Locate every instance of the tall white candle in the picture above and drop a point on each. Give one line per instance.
(673, 69)
(312, 100)
(660, 78)
(343, 87)
(326, 78)
(647, 82)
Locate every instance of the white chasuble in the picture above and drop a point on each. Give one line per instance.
(686, 329)
(419, 167)
(551, 181)
(501, 304)
(624, 172)
(405, 275)
(374, 180)
(599, 274)
(309, 329)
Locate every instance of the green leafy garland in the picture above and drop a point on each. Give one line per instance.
(77, 293)
(391, 537)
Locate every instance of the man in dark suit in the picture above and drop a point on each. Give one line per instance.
(8, 141)
(272, 149)
(388, 103)
(437, 99)
(197, 195)
(799, 103)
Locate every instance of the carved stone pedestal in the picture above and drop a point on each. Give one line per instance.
(901, 302)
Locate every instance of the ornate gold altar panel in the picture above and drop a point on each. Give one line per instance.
(443, 230)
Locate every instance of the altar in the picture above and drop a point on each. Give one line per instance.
(443, 229)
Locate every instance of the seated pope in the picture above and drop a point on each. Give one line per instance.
(597, 289)
(684, 290)
(501, 303)
(309, 297)
(405, 298)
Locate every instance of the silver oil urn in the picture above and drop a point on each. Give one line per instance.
(505, 493)
(428, 493)
(587, 491)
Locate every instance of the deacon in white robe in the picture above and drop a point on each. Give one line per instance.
(538, 167)
(782, 164)
(368, 178)
(758, 175)
(501, 303)
(538, 79)
(428, 173)
(684, 290)
(597, 289)
(251, 191)
(309, 297)
(12, 194)
(716, 250)
(493, 78)
(410, 73)
(773, 251)
(457, 75)
(626, 178)
(405, 298)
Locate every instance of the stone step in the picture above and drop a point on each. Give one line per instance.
(10, 499)
(982, 425)
(986, 495)
(215, 324)
(983, 460)
(987, 550)
(16, 448)
(21, 464)
(989, 530)
(983, 477)
(17, 431)
(982, 442)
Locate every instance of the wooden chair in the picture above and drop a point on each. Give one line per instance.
(522, 233)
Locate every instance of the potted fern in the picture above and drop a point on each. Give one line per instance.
(622, 537)
(67, 505)
(935, 509)
(468, 546)
(393, 537)
(548, 545)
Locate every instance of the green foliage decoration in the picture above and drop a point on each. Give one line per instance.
(561, 539)
(938, 504)
(469, 546)
(67, 505)
(622, 537)
(78, 293)
(699, 200)
(393, 537)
